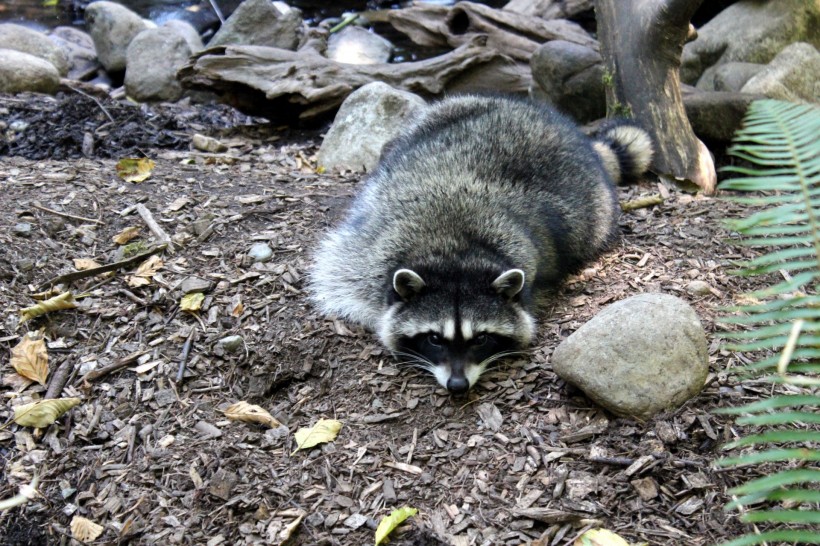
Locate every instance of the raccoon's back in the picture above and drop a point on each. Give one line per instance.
(476, 180)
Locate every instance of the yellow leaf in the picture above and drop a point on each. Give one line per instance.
(126, 235)
(43, 413)
(85, 530)
(388, 523)
(238, 310)
(323, 431)
(249, 413)
(600, 537)
(30, 358)
(57, 303)
(192, 302)
(135, 169)
(81, 264)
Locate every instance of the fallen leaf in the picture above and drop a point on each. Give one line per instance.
(600, 537)
(43, 413)
(135, 170)
(238, 309)
(389, 523)
(85, 530)
(145, 272)
(57, 303)
(250, 413)
(30, 358)
(81, 264)
(192, 302)
(323, 431)
(126, 235)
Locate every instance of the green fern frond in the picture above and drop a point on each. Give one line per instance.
(780, 141)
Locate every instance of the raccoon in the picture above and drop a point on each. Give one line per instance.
(472, 216)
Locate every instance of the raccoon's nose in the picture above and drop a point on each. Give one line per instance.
(458, 385)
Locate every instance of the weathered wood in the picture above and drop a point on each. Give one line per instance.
(641, 43)
(286, 85)
(511, 33)
(550, 9)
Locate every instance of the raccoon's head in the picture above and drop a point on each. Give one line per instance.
(454, 326)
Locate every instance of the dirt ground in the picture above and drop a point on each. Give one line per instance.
(154, 460)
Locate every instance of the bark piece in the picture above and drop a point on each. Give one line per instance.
(285, 85)
(642, 42)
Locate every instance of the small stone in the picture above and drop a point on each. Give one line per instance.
(260, 252)
(699, 288)
(315, 519)
(207, 430)
(278, 433)
(165, 397)
(207, 144)
(491, 416)
(356, 45)
(23, 229)
(231, 344)
(223, 483)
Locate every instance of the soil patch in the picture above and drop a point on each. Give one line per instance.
(155, 461)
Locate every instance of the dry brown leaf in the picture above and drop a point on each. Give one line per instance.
(238, 309)
(250, 413)
(126, 235)
(57, 303)
(85, 530)
(82, 264)
(43, 413)
(145, 272)
(30, 358)
(135, 169)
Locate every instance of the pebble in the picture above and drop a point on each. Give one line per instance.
(23, 229)
(231, 344)
(699, 288)
(260, 252)
(194, 284)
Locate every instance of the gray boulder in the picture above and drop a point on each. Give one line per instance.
(571, 78)
(261, 22)
(366, 121)
(638, 356)
(187, 31)
(153, 59)
(751, 31)
(112, 27)
(34, 43)
(356, 45)
(793, 75)
(21, 71)
(716, 115)
(79, 48)
(730, 76)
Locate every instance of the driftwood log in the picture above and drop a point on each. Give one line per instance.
(510, 33)
(284, 85)
(641, 43)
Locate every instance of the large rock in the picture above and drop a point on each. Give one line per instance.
(187, 31)
(638, 356)
(793, 75)
(79, 48)
(21, 71)
(261, 22)
(715, 116)
(153, 59)
(112, 27)
(356, 45)
(571, 77)
(729, 77)
(366, 121)
(751, 31)
(34, 43)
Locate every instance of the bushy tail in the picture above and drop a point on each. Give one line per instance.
(625, 150)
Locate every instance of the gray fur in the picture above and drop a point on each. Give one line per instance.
(479, 187)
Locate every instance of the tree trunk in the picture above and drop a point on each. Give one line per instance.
(642, 42)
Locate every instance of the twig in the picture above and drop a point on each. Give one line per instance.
(413, 445)
(104, 111)
(27, 493)
(76, 275)
(218, 11)
(38, 206)
(642, 203)
(155, 228)
(58, 379)
(121, 363)
(183, 358)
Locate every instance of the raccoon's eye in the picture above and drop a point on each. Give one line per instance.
(480, 339)
(434, 339)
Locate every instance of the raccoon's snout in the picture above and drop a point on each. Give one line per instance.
(458, 385)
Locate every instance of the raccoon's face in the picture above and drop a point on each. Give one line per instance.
(456, 327)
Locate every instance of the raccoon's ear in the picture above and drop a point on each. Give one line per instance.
(407, 283)
(509, 283)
